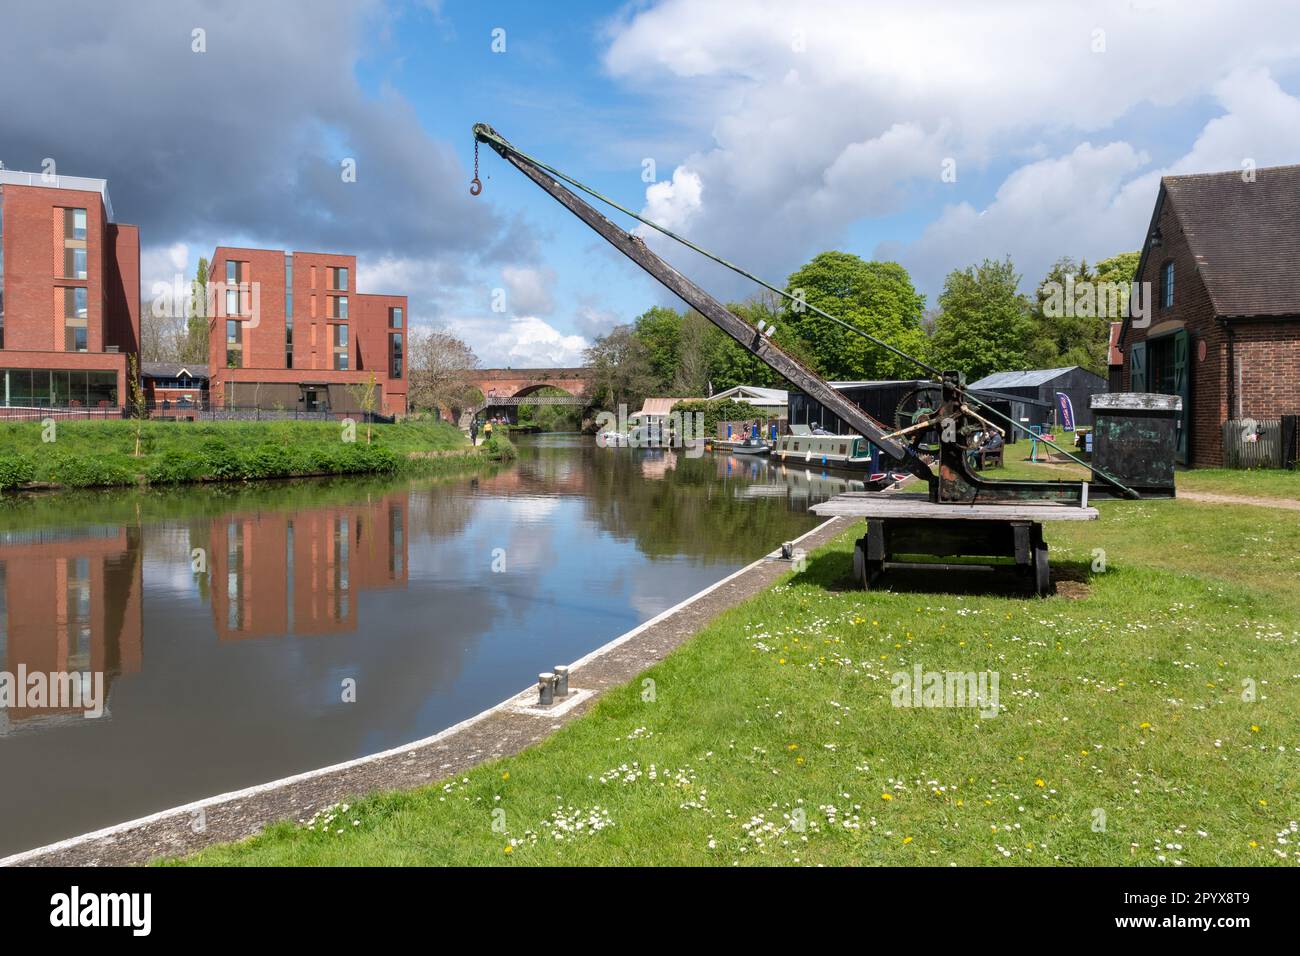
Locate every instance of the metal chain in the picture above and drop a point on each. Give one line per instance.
(475, 184)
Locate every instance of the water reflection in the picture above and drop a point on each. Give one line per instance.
(226, 621)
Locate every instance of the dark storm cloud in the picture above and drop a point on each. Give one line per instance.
(245, 139)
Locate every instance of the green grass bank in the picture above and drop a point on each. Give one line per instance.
(78, 454)
(1148, 715)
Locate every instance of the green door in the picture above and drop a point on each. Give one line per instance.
(1137, 367)
(1183, 389)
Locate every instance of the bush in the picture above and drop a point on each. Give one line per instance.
(186, 466)
(85, 472)
(500, 447)
(726, 410)
(15, 470)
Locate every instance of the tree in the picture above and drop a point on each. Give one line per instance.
(620, 369)
(877, 297)
(366, 395)
(440, 369)
(1073, 310)
(194, 349)
(659, 329)
(983, 321)
(139, 408)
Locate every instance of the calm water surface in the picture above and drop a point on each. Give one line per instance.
(232, 674)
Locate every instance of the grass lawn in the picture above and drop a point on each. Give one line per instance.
(1123, 734)
(1258, 483)
(92, 454)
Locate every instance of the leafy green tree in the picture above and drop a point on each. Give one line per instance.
(983, 322)
(194, 346)
(659, 330)
(620, 368)
(1073, 309)
(877, 297)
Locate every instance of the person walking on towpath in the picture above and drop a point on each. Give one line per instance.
(473, 432)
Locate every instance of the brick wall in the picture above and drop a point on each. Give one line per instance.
(1193, 311)
(1267, 354)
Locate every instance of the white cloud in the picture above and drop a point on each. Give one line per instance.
(160, 269)
(519, 342)
(1097, 201)
(529, 291)
(813, 117)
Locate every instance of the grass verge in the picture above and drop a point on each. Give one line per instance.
(1150, 717)
(100, 454)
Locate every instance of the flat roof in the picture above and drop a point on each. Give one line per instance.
(14, 177)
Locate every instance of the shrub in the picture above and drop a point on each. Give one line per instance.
(86, 472)
(500, 447)
(184, 466)
(15, 470)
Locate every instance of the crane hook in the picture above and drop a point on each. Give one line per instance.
(475, 184)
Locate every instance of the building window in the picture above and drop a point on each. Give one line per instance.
(232, 272)
(341, 361)
(395, 318)
(338, 306)
(340, 336)
(74, 224)
(74, 262)
(232, 332)
(338, 279)
(76, 314)
(395, 351)
(234, 358)
(288, 287)
(1167, 286)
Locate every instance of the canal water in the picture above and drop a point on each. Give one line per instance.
(244, 633)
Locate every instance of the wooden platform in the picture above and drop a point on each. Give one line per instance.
(864, 504)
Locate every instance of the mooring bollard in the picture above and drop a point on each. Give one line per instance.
(561, 681)
(545, 689)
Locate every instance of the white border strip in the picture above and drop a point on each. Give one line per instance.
(507, 704)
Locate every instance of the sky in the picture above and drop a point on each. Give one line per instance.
(935, 134)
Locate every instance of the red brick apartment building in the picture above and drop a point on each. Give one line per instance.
(289, 330)
(1221, 256)
(69, 294)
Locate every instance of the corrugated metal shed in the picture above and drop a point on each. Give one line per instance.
(1031, 379)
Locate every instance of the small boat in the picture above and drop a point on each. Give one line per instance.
(612, 439)
(750, 446)
(832, 451)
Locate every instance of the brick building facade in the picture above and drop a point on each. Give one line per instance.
(289, 330)
(69, 294)
(1223, 329)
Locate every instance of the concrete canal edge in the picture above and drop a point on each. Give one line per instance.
(499, 731)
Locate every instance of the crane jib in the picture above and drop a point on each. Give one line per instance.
(784, 364)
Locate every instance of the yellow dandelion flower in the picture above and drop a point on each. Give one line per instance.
(1252, 844)
(1144, 726)
(1263, 803)
(509, 849)
(1039, 782)
(1254, 728)
(506, 775)
(906, 840)
(886, 796)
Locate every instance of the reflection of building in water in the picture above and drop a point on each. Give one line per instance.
(70, 601)
(300, 572)
(656, 464)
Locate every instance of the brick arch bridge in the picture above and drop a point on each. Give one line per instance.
(503, 383)
(511, 387)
